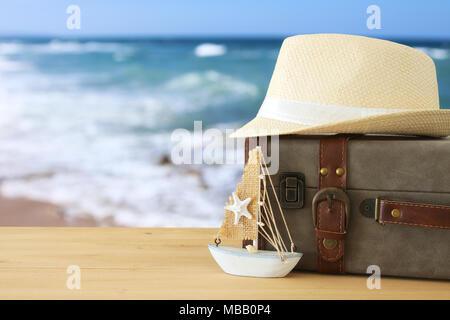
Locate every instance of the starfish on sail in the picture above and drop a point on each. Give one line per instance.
(239, 208)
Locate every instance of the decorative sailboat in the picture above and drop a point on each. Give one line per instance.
(248, 216)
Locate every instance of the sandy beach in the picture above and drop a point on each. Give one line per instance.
(26, 212)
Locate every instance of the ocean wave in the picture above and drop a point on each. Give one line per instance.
(56, 46)
(7, 48)
(61, 103)
(210, 50)
(64, 47)
(209, 88)
(7, 65)
(435, 53)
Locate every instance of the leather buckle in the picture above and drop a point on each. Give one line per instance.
(330, 194)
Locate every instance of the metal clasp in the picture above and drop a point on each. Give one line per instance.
(370, 208)
(330, 194)
(292, 190)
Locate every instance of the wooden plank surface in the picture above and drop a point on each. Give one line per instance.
(128, 263)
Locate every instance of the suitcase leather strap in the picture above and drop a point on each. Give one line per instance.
(331, 205)
(407, 213)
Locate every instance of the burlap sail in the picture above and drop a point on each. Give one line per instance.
(246, 229)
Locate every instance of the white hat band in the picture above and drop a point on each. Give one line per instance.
(312, 114)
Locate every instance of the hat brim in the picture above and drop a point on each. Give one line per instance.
(435, 123)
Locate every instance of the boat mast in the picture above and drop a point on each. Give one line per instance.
(258, 210)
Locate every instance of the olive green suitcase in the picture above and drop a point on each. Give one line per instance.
(357, 201)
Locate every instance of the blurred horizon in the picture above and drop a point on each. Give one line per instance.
(444, 40)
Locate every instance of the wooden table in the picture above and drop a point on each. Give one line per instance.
(128, 263)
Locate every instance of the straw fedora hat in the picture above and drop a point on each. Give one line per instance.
(336, 83)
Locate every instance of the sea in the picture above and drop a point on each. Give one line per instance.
(86, 124)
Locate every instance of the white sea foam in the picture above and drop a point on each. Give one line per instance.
(208, 88)
(105, 178)
(77, 147)
(210, 50)
(7, 65)
(10, 47)
(65, 47)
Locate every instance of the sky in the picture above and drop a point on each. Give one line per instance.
(399, 18)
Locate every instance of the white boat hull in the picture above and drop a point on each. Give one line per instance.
(264, 264)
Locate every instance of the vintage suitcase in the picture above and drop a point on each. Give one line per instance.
(356, 201)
